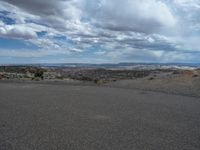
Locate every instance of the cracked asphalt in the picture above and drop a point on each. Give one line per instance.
(75, 117)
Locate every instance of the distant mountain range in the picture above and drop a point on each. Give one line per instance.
(132, 66)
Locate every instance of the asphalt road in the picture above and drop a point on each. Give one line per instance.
(66, 117)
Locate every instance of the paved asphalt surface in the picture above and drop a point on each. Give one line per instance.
(66, 117)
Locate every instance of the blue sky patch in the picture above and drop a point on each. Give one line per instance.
(4, 17)
(16, 44)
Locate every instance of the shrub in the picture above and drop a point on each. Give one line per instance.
(39, 73)
(151, 78)
(195, 75)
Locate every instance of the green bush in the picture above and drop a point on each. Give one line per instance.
(39, 73)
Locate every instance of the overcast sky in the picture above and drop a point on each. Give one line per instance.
(99, 31)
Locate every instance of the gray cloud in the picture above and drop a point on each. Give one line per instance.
(20, 31)
(119, 29)
(140, 16)
(129, 15)
(39, 7)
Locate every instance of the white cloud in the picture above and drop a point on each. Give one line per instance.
(138, 15)
(45, 43)
(195, 4)
(124, 29)
(17, 31)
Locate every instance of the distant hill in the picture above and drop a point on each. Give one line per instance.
(134, 66)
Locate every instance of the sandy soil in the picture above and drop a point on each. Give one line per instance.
(187, 83)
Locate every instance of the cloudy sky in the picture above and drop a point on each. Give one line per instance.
(99, 31)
